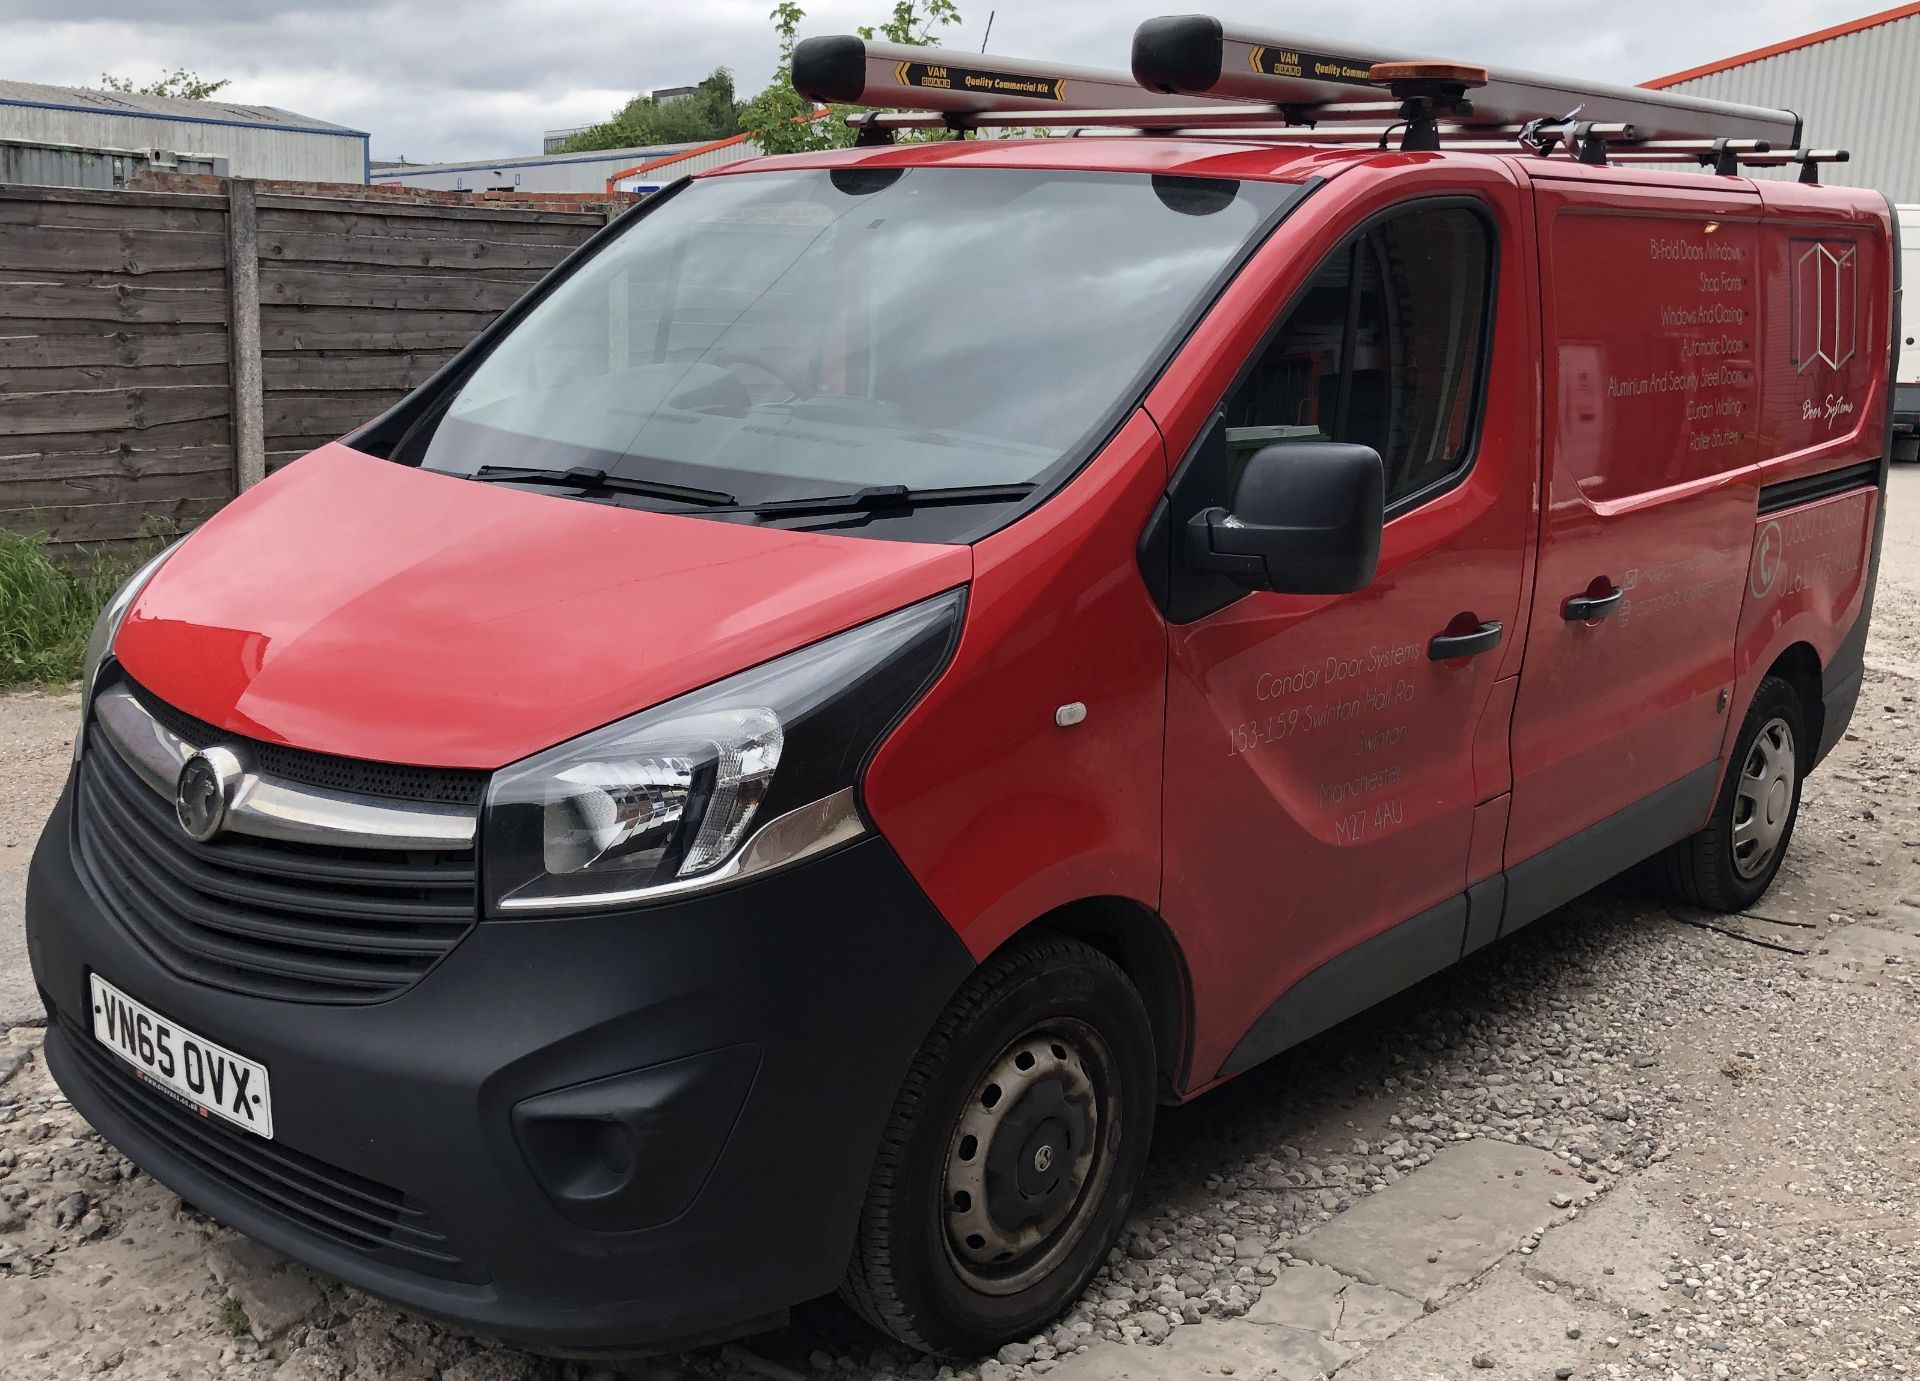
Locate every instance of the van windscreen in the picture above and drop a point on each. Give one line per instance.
(786, 335)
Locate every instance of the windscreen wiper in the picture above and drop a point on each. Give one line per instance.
(596, 480)
(879, 498)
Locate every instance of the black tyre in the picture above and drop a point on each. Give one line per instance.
(1729, 865)
(1010, 1161)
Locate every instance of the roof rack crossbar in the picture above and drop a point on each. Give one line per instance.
(1620, 142)
(1243, 117)
(1809, 161)
(1496, 139)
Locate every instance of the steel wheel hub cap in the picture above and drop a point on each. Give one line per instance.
(1025, 1156)
(1763, 798)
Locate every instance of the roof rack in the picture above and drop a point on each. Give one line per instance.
(1194, 76)
(1200, 56)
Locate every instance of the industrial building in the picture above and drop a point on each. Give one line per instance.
(1854, 85)
(253, 141)
(603, 170)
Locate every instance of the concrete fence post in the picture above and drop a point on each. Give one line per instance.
(243, 336)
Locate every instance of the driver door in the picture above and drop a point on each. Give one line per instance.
(1331, 789)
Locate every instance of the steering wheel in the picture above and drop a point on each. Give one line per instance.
(766, 364)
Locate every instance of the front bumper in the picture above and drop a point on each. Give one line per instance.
(620, 1129)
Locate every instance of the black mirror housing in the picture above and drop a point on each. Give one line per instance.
(1306, 520)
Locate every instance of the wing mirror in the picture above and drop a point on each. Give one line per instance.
(1306, 520)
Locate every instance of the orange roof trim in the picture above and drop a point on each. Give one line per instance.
(684, 153)
(728, 142)
(1872, 21)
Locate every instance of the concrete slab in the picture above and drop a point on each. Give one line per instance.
(1232, 1347)
(1437, 1230)
(1303, 1297)
(1319, 1300)
(1514, 1324)
(1373, 1313)
(1617, 1251)
(1866, 954)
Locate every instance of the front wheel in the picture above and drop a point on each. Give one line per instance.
(1729, 865)
(1009, 1163)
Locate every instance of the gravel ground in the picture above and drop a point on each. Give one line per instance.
(1752, 1083)
(36, 743)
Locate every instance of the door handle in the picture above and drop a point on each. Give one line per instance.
(1587, 608)
(1446, 646)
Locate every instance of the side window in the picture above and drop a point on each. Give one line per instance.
(1386, 348)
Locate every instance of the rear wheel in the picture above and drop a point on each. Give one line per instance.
(1729, 865)
(1012, 1155)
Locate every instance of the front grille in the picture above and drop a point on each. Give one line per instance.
(397, 781)
(309, 1195)
(297, 922)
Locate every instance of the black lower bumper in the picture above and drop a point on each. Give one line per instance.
(587, 1132)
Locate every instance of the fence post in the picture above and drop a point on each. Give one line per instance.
(243, 336)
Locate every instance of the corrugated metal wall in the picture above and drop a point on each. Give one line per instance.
(1860, 93)
(565, 172)
(688, 166)
(573, 172)
(250, 151)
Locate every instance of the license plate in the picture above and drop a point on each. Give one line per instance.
(194, 1071)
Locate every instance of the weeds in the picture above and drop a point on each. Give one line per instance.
(47, 607)
(233, 1318)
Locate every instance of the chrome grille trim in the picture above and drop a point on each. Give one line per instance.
(266, 807)
(269, 919)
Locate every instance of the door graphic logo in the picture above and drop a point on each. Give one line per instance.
(1767, 560)
(1826, 301)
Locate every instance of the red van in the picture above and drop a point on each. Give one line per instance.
(890, 664)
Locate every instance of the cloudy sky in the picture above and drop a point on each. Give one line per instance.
(482, 78)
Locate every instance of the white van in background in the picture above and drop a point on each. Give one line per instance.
(1906, 378)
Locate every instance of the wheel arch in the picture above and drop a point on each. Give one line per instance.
(1136, 938)
(1799, 666)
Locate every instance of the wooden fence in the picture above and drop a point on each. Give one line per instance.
(161, 350)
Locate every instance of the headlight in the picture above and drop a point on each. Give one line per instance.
(753, 772)
(107, 627)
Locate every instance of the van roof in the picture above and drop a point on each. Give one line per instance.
(1193, 157)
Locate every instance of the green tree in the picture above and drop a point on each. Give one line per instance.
(711, 112)
(784, 120)
(179, 83)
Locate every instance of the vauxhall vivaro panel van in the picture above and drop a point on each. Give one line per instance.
(892, 663)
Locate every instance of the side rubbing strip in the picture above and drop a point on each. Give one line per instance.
(1348, 983)
(1825, 485)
